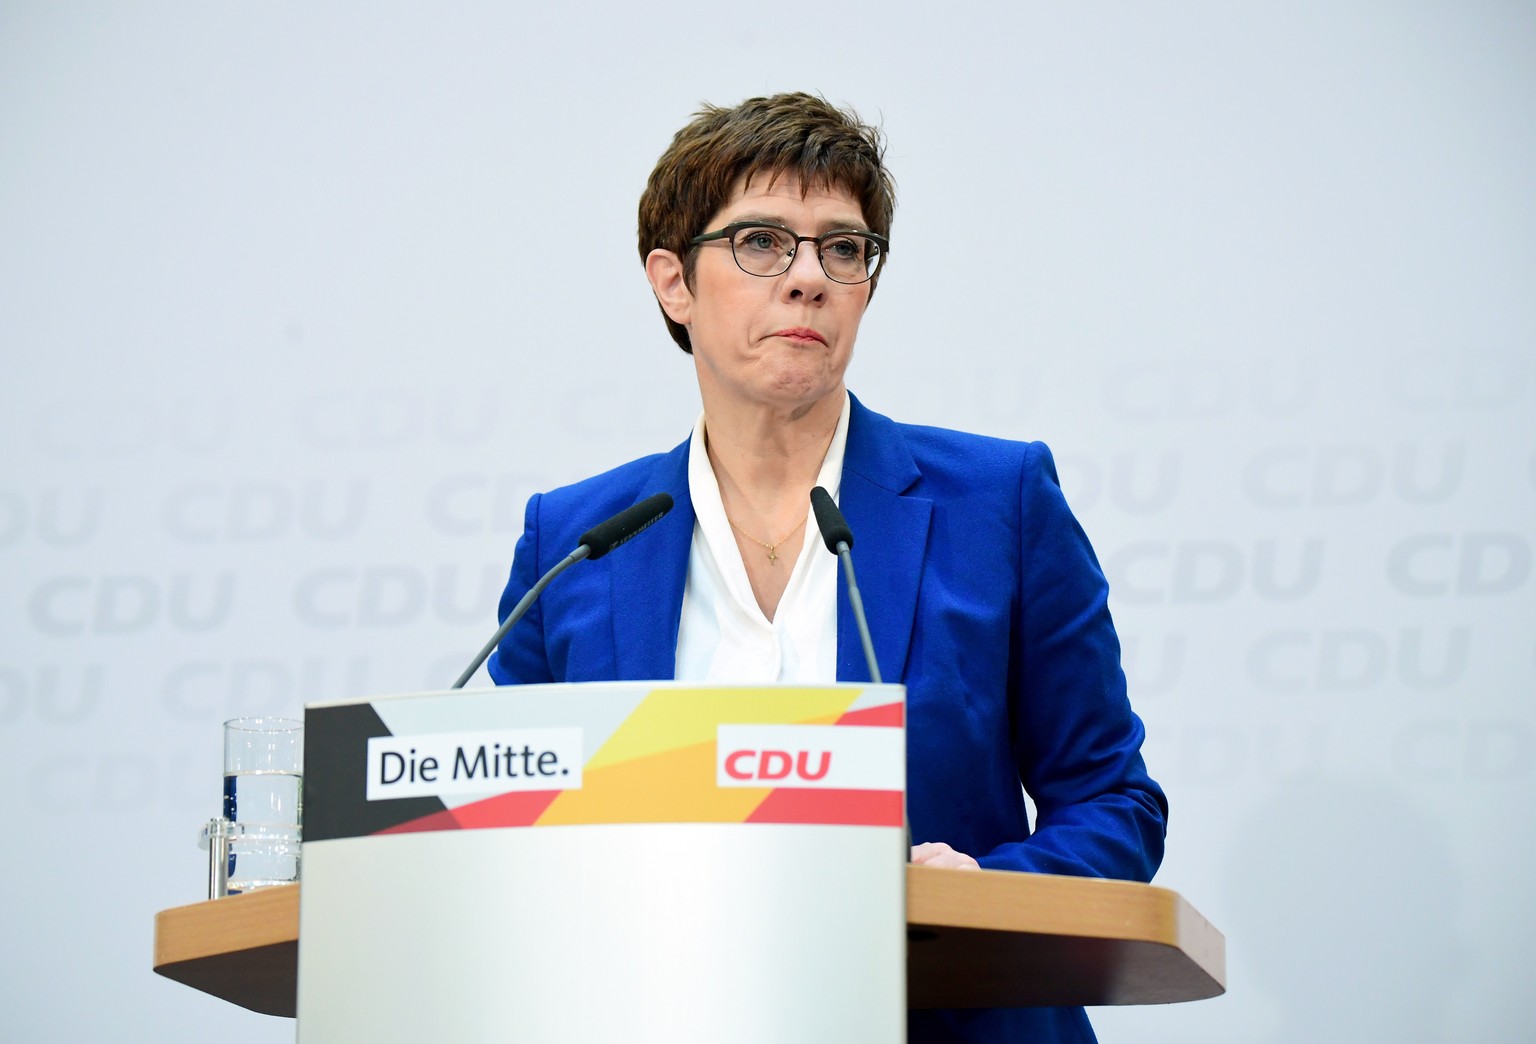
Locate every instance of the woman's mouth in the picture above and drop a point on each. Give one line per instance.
(801, 333)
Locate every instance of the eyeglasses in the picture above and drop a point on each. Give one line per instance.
(846, 255)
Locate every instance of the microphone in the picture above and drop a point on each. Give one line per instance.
(833, 526)
(839, 541)
(594, 543)
(625, 526)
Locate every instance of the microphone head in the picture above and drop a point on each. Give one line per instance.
(833, 526)
(627, 524)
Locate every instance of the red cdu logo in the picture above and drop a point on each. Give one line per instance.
(822, 757)
(775, 765)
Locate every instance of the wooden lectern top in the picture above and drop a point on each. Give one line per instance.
(977, 938)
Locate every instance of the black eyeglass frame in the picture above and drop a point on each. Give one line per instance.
(728, 233)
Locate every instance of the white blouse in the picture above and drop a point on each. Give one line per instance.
(723, 635)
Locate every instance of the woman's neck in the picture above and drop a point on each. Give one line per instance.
(766, 461)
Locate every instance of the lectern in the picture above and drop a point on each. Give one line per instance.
(639, 861)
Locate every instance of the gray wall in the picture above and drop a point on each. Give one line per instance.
(298, 302)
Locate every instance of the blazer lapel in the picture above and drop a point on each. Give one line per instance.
(890, 533)
(647, 580)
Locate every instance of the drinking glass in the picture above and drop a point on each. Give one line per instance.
(264, 800)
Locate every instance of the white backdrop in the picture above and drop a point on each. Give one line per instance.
(299, 301)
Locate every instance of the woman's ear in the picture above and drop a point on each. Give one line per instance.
(665, 271)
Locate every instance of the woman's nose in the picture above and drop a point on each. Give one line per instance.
(805, 276)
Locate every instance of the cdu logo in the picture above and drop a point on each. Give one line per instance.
(817, 757)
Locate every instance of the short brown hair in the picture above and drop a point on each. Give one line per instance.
(787, 134)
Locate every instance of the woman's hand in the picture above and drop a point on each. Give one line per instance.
(937, 853)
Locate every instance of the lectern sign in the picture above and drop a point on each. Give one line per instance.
(560, 755)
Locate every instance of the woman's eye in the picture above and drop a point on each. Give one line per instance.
(763, 240)
(843, 249)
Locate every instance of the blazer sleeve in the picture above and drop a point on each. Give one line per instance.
(1076, 741)
(521, 658)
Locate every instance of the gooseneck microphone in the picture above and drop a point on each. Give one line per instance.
(623, 527)
(594, 543)
(839, 541)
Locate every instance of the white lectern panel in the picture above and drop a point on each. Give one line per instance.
(667, 932)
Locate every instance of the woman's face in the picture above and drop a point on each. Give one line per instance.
(780, 341)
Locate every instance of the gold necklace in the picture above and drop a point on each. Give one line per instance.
(773, 549)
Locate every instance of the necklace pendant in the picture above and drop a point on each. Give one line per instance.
(773, 556)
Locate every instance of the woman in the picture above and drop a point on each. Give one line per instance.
(763, 229)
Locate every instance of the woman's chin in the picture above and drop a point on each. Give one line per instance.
(800, 390)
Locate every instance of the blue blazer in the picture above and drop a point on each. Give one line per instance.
(984, 599)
